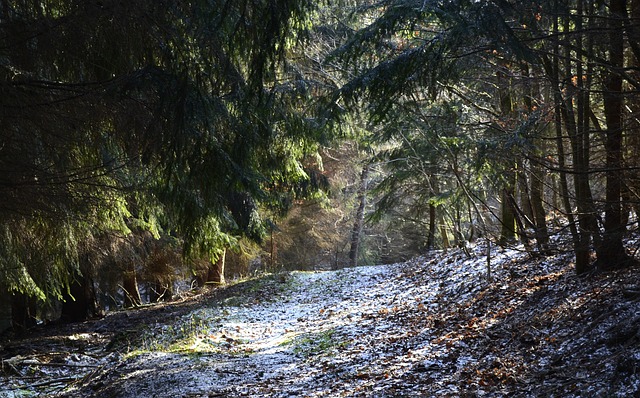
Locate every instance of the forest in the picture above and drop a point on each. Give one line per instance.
(154, 149)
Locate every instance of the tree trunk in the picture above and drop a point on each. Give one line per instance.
(5, 309)
(81, 301)
(23, 311)
(432, 227)
(78, 304)
(632, 143)
(507, 213)
(130, 287)
(579, 136)
(536, 174)
(558, 117)
(444, 234)
(611, 253)
(273, 255)
(216, 271)
(537, 207)
(359, 219)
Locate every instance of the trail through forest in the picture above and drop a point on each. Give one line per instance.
(432, 327)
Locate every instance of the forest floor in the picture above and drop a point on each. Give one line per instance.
(434, 327)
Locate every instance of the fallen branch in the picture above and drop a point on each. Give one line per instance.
(9, 368)
(56, 364)
(54, 381)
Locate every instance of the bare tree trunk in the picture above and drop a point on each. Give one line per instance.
(539, 214)
(432, 227)
(216, 271)
(536, 174)
(579, 136)
(359, 219)
(558, 116)
(611, 253)
(507, 192)
(632, 162)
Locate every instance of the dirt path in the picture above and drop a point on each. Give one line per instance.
(281, 341)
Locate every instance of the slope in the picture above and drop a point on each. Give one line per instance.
(432, 327)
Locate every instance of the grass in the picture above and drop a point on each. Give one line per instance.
(314, 344)
(195, 333)
(185, 336)
(198, 332)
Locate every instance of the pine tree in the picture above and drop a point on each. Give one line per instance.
(125, 115)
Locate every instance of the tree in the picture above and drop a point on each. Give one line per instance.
(611, 253)
(118, 115)
(361, 201)
(427, 49)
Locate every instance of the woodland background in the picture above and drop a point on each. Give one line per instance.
(150, 147)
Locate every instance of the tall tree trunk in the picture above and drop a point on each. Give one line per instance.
(216, 271)
(507, 213)
(359, 219)
(559, 106)
(611, 253)
(575, 130)
(633, 31)
(632, 144)
(576, 125)
(536, 173)
(431, 238)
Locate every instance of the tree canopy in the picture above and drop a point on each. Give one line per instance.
(157, 115)
(541, 86)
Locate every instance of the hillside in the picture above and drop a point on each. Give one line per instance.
(432, 327)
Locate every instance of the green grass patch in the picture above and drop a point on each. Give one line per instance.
(321, 343)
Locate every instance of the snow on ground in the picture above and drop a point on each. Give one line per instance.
(433, 327)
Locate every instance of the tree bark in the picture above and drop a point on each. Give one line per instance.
(431, 238)
(359, 219)
(559, 106)
(632, 142)
(507, 191)
(611, 253)
(576, 123)
(216, 271)
(536, 174)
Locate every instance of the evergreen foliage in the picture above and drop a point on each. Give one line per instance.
(154, 130)
(517, 70)
(158, 115)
